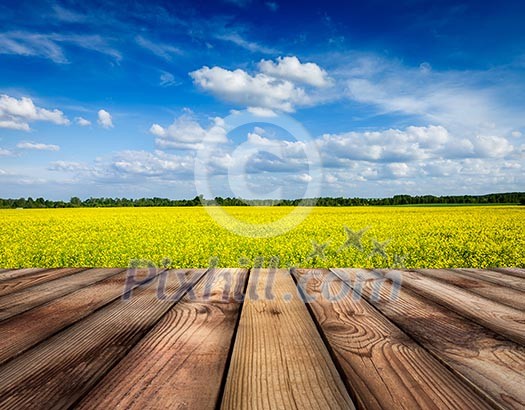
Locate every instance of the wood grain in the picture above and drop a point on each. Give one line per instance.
(519, 272)
(501, 319)
(498, 278)
(494, 365)
(58, 372)
(384, 367)
(502, 294)
(17, 273)
(34, 278)
(29, 298)
(26, 329)
(186, 350)
(279, 360)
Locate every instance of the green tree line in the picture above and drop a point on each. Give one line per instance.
(75, 202)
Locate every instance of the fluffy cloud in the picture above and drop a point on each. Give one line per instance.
(409, 145)
(104, 119)
(82, 121)
(18, 113)
(152, 164)
(290, 68)
(241, 88)
(38, 146)
(187, 133)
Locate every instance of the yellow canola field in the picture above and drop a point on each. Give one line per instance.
(412, 237)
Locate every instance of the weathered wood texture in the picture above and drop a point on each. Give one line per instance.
(492, 364)
(279, 360)
(498, 278)
(23, 331)
(26, 299)
(16, 284)
(181, 362)
(59, 371)
(475, 284)
(384, 367)
(108, 338)
(502, 319)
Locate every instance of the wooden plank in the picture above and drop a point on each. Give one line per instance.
(21, 332)
(181, 362)
(17, 273)
(384, 368)
(502, 294)
(60, 371)
(494, 365)
(279, 360)
(501, 319)
(497, 278)
(18, 302)
(519, 272)
(35, 278)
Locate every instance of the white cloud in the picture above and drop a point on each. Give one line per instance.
(152, 164)
(440, 97)
(69, 166)
(238, 40)
(187, 133)
(37, 146)
(410, 145)
(162, 50)
(516, 134)
(167, 79)
(291, 68)
(49, 45)
(82, 121)
(104, 119)
(5, 152)
(17, 113)
(241, 88)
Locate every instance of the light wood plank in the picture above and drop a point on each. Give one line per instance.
(60, 371)
(17, 273)
(35, 278)
(279, 360)
(18, 302)
(519, 272)
(26, 329)
(181, 362)
(494, 365)
(497, 278)
(501, 319)
(384, 367)
(502, 294)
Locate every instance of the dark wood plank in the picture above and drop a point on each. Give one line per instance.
(26, 329)
(502, 294)
(385, 368)
(17, 273)
(181, 362)
(279, 360)
(18, 302)
(35, 278)
(497, 278)
(499, 318)
(60, 371)
(494, 365)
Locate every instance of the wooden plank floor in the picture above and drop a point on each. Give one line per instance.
(262, 339)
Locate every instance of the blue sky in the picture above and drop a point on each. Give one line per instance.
(107, 99)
